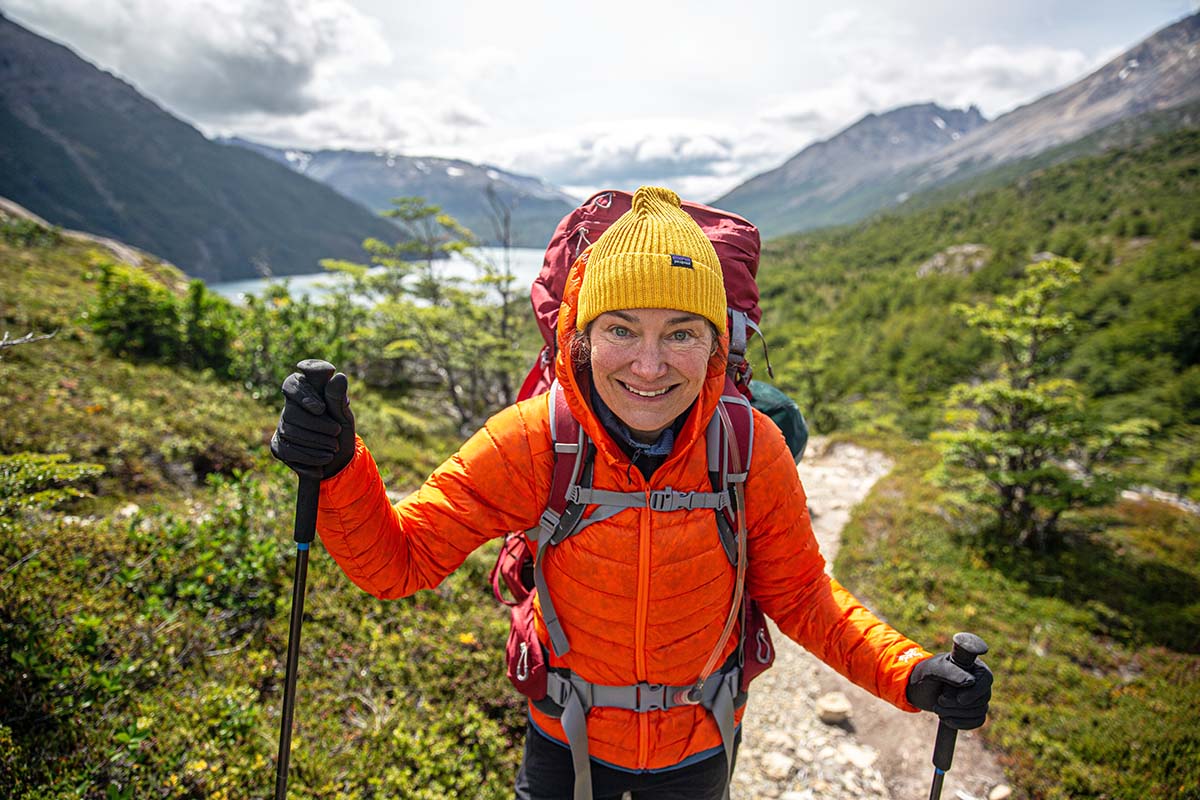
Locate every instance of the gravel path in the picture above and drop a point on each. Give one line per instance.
(878, 752)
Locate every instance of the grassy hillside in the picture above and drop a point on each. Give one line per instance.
(860, 336)
(1096, 647)
(144, 628)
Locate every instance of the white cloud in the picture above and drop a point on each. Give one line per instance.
(578, 94)
(699, 159)
(218, 59)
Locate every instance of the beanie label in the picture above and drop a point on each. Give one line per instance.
(681, 261)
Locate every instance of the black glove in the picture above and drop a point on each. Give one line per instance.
(960, 697)
(315, 436)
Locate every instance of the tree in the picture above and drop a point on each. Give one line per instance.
(1029, 446)
(432, 331)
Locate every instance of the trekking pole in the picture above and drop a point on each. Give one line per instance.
(317, 373)
(967, 647)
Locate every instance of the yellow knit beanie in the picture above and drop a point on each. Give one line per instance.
(653, 256)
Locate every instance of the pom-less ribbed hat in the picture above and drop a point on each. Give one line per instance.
(653, 256)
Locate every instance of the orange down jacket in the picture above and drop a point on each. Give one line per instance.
(643, 595)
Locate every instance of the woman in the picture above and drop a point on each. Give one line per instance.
(642, 595)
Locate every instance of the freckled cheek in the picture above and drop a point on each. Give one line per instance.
(692, 365)
(605, 362)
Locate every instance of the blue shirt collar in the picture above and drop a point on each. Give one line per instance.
(613, 424)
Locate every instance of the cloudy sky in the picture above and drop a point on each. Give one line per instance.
(698, 96)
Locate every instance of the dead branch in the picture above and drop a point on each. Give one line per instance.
(7, 342)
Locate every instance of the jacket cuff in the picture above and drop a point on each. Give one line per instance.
(352, 480)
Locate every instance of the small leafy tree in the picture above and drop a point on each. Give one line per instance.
(208, 328)
(278, 329)
(807, 366)
(1029, 446)
(136, 316)
(429, 330)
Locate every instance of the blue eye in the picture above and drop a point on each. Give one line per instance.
(619, 331)
(680, 336)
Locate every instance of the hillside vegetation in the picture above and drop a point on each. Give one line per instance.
(144, 627)
(859, 316)
(1094, 640)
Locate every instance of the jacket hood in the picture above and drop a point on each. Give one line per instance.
(576, 382)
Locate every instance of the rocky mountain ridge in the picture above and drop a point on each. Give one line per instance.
(459, 187)
(807, 186)
(843, 179)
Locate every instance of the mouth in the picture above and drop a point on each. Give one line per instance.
(648, 394)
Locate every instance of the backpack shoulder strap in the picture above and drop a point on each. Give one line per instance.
(568, 439)
(561, 517)
(723, 442)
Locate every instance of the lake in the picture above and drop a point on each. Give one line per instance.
(526, 263)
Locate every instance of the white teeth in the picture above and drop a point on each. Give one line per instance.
(646, 394)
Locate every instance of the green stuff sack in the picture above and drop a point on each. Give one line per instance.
(784, 412)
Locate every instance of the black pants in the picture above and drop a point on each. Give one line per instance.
(547, 773)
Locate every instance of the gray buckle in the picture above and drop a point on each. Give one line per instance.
(651, 697)
(670, 500)
(547, 524)
(558, 689)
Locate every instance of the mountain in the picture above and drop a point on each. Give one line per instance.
(85, 150)
(808, 189)
(459, 187)
(1160, 73)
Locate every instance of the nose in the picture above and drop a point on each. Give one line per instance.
(648, 361)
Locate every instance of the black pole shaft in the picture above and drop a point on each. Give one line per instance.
(935, 791)
(943, 756)
(308, 495)
(293, 657)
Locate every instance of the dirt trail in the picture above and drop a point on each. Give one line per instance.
(880, 752)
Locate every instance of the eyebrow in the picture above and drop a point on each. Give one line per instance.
(685, 319)
(680, 320)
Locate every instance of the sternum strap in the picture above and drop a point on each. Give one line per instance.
(666, 499)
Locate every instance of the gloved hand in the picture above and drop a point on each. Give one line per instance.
(315, 435)
(960, 697)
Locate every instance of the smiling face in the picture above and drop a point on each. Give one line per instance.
(649, 364)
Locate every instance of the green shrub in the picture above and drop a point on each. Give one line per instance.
(40, 481)
(1094, 648)
(27, 233)
(136, 316)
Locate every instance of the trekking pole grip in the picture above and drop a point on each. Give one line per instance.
(967, 648)
(317, 373)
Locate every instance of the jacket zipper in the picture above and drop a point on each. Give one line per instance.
(643, 611)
